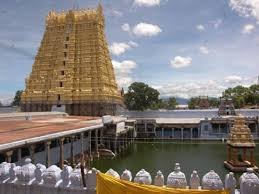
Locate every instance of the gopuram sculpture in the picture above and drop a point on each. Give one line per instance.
(143, 177)
(195, 180)
(72, 71)
(176, 179)
(27, 179)
(159, 179)
(212, 181)
(240, 147)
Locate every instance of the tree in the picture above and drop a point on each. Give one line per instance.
(243, 96)
(140, 96)
(193, 102)
(17, 98)
(171, 103)
(214, 102)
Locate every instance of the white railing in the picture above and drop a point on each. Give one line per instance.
(37, 179)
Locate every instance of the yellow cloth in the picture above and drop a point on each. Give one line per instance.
(107, 184)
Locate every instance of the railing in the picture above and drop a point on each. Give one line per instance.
(37, 179)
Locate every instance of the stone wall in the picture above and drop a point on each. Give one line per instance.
(82, 109)
(37, 179)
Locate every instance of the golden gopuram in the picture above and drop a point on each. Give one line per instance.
(73, 69)
(240, 147)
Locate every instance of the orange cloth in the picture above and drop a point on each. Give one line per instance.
(107, 184)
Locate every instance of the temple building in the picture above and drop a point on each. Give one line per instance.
(203, 102)
(72, 70)
(240, 147)
(226, 106)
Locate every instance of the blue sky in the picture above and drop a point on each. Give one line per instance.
(181, 47)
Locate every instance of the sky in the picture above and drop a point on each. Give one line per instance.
(183, 48)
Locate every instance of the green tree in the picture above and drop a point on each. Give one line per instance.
(140, 96)
(243, 96)
(17, 98)
(171, 103)
(193, 102)
(214, 102)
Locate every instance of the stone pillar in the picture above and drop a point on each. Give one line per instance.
(252, 156)
(234, 155)
(163, 133)
(82, 143)
(126, 139)
(244, 154)
(115, 145)
(96, 140)
(109, 144)
(19, 154)
(229, 153)
(101, 136)
(191, 132)
(172, 134)
(145, 126)
(90, 143)
(72, 159)
(182, 133)
(32, 151)
(8, 156)
(61, 152)
(47, 150)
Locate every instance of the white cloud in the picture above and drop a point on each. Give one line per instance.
(233, 79)
(6, 98)
(190, 88)
(145, 29)
(118, 48)
(216, 23)
(204, 50)
(125, 27)
(123, 71)
(117, 13)
(180, 62)
(200, 28)
(124, 67)
(146, 3)
(248, 29)
(133, 44)
(246, 8)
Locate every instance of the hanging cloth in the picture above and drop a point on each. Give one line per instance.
(107, 184)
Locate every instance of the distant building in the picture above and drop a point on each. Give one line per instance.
(203, 102)
(182, 107)
(226, 107)
(72, 70)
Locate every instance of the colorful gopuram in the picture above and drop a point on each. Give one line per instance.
(72, 70)
(226, 107)
(240, 147)
(203, 102)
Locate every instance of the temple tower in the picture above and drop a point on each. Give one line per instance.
(240, 147)
(72, 69)
(203, 102)
(226, 107)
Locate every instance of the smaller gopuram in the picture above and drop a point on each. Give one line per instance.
(226, 107)
(240, 147)
(203, 102)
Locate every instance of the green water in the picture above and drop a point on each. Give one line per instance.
(200, 156)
